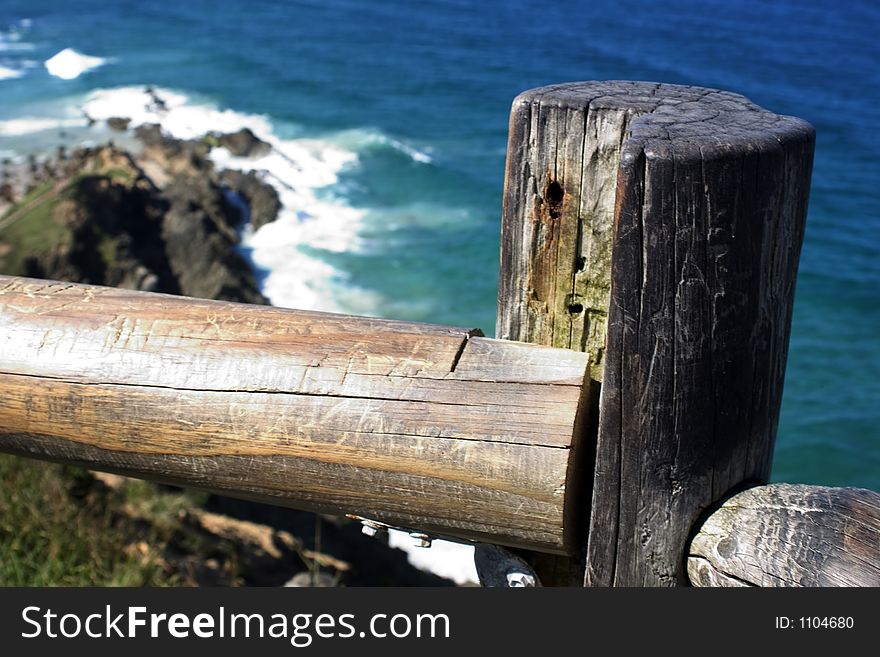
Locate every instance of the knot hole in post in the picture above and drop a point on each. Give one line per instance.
(553, 195)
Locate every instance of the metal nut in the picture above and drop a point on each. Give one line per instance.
(520, 580)
(371, 527)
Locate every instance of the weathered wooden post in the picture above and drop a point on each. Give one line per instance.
(657, 228)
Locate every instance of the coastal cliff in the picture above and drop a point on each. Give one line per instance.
(162, 219)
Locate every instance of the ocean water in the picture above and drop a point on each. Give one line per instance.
(390, 118)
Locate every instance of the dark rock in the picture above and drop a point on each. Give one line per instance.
(261, 197)
(150, 134)
(243, 143)
(124, 232)
(112, 216)
(118, 123)
(200, 238)
(140, 278)
(174, 157)
(157, 103)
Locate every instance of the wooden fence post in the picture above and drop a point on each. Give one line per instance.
(658, 228)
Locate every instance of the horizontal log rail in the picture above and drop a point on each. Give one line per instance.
(413, 424)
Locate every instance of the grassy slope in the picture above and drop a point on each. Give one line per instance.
(58, 529)
(30, 227)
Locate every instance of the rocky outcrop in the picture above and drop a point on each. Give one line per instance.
(113, 227)
(165, 158)
(199, 236)
(161, 222)
(243, 143)
(261, 198)
(118, 123)
(96, 219)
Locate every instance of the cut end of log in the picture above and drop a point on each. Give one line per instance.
(789, 535)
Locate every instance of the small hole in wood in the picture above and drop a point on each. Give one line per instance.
(575, 308)
(554, 193)
(581, 263)
(554, 196)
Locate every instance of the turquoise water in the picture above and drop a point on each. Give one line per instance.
(414, 99)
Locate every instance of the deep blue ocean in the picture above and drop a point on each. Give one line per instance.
(395, 114)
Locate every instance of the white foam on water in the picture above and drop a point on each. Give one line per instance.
(361, 139)
(178, 116)
(297, 168)
(413, 152)
(34, 124)
(69, 64)
(7, 73)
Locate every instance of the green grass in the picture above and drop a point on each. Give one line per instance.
(118, 175)
(34, 228)
(107, 250)
(58, 529)
(35, 231)
(35, 193)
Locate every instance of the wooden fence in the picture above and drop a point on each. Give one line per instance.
(620, 430)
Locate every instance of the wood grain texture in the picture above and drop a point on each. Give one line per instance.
(558, 215)
(658, 228)
(789, 535)
(417, 425)
(556, 247)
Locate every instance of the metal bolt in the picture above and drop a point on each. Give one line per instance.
(520, 580)
(371, 527)
(422, 540)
